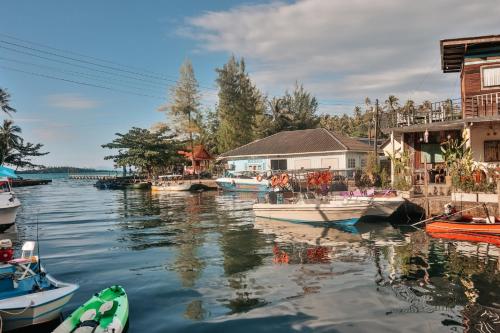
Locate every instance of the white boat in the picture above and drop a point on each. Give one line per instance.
(314, 210)
(29, 296)
(173, 183)
(9, 204)
(243, 182)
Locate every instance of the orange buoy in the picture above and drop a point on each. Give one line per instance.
(259, 178)
(284, 179)
(275, 181)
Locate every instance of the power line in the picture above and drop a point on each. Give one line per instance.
(156, 77)
(78, 82)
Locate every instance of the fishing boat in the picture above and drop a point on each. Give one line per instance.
(311, 209)
(468, 237)
(465, 224)
(243, 182)
(9, 205)
(172, 183)
(106, 311)
(28, 295)
(139, 185)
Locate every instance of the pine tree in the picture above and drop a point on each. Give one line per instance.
(240, 103)
(183, 109)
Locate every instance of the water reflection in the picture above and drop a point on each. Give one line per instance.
(202, 262)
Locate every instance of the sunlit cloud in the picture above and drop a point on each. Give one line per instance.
(345, 50)
(71, 101)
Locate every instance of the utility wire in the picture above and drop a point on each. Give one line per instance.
(78, 82)
(156, 77)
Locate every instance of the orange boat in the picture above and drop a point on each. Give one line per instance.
(469, 237)
(465, 224)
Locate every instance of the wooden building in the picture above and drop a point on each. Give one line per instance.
(475, 116)
(201, 160)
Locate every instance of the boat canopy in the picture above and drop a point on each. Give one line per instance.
(7, 172)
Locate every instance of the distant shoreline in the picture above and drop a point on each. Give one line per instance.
(68, 170)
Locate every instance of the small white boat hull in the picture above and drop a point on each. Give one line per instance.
(335, 211)
(35, 308)
(8, 212)
(171, 188)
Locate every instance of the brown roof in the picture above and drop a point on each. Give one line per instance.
(296, 142)
(453, 50)
(200, 153)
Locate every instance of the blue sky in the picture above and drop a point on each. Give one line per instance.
(341, 51)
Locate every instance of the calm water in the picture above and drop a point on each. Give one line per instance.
(203, 263)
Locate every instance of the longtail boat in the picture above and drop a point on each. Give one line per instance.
(465, 224)
(468, 237)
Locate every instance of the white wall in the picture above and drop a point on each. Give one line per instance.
(308, 161)
(479, 134)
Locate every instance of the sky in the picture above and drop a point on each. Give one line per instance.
(79, 72)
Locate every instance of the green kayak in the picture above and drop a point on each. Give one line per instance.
(106, 311)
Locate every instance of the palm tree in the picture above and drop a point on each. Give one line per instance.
(9, 139)
(5, 101)
(392, 106)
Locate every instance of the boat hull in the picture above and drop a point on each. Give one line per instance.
(171, 188)
(35, 308)
(8, 216)
(242, 185)
(380, 207)
(346, 214)
(468, 237)
(466, 227)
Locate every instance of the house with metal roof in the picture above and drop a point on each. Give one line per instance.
(296, 150)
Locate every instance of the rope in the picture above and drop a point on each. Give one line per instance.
(439, 216)
(13, 314)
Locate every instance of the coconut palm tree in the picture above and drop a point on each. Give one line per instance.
(9, 139)
(5, 102)
(392, 107)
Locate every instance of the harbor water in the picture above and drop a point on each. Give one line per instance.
(201, 262)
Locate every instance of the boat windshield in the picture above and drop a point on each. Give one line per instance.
(4, 186)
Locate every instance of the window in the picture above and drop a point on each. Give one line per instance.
(492, 151)
(351, 163)
(491, 76)
(278, 165)
(363, 162)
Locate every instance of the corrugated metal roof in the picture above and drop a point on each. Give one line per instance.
(297, 142)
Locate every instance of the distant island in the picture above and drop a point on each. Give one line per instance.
(68, 170)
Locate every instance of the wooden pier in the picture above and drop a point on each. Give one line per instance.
(91, 177)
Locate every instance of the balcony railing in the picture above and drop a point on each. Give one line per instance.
(423, 114)
(484, 105)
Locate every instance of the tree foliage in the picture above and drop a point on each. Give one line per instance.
(5, 102)
(14, 150)
(240, 103)
(149, 151)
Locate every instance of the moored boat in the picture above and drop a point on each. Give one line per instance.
(468, 237)
(172, 183)
(106, 311)
(28, 295)
(9, 205)
(481, 226)
(242, 182)
(311, 209)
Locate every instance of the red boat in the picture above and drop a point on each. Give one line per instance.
(467, 224)
(469, 237)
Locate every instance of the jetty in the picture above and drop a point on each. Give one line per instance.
(91, 177)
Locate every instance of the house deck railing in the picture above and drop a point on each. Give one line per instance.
(424, 114)
(483, 105)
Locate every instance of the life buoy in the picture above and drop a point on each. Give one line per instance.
(284, 179)
(275, 181)
(259, 178)
(311, 179)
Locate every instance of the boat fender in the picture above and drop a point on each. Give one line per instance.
(284, 178)
(275, 181)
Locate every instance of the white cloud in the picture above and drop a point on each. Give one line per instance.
(71, 101)
(346, 50)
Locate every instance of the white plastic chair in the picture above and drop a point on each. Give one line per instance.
(26, 259)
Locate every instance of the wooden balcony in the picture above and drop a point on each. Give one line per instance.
(484, 105)
(425, 114)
